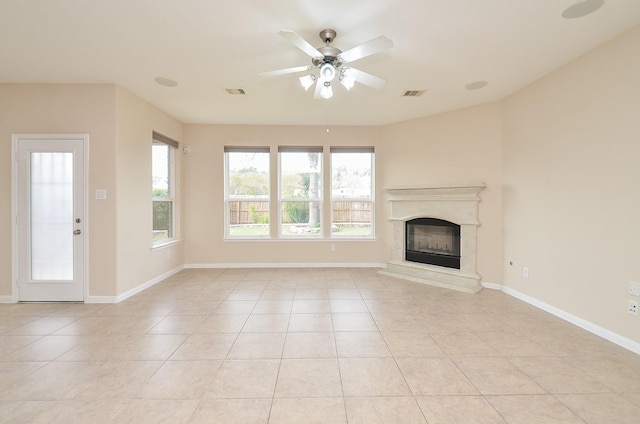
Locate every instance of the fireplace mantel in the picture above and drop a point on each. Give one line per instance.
(457, 203)
(436, 192)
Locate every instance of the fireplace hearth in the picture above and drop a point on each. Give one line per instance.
(434, 235)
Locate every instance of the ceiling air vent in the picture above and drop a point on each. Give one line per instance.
(235, 91)
(413, 93)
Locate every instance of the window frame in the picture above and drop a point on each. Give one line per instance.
(172, 146)
(370, 199)
(320, 193)
(227, 195)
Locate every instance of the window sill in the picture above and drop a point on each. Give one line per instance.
(164, 245)
(298, 239)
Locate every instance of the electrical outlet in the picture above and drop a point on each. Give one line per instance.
(634, 288)
(633, 307)
(333, 247)
(525, 272)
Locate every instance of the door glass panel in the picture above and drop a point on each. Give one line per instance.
(51, 216)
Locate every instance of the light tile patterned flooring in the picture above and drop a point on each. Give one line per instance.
(307, 346)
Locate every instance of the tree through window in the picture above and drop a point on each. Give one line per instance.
(300, 191)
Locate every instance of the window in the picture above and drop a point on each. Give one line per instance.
(352, 191)
(297, 208)
(162, 188)
(247, 191)
(300, 194)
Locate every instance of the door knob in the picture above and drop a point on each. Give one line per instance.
(76, 232)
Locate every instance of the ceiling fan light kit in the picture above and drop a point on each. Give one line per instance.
(307, 81)
(347, 81)
(331, 62)
(326, 92)
(327, 71)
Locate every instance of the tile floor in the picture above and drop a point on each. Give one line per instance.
(307, 346)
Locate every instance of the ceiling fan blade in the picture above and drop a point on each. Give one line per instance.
(365, 78)
(367, 49)
(286, 71)
(300, 43)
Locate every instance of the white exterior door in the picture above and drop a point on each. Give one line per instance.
(49, 203)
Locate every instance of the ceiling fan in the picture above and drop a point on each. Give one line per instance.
(332, 63)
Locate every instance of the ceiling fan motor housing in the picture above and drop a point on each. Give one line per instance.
(330, 53)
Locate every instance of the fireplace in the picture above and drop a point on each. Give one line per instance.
(434, 235)
(433, 241)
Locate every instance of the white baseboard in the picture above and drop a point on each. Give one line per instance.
(609, 335)
(133, 291)
(492, 286)
(8, 299)
(288, 265)
(101, 299)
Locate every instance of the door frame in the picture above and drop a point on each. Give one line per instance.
(15, 138)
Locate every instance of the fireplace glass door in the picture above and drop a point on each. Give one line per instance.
(433, 241)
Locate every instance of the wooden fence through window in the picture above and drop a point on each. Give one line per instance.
(248, 212)
(257, 212)
(351, 212)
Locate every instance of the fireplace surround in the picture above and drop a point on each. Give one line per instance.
(456, 204)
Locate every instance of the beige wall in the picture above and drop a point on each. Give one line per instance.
(120, 163)
(462, 146)
(571, 204)
(203, 197)
(42, 108)
(135, 122)
(119, 127)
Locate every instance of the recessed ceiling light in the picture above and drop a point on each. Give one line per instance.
(476, 85)
(235, 91)
(582, 8)
(166, 82)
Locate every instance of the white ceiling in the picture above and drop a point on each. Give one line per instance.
(208, 45)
